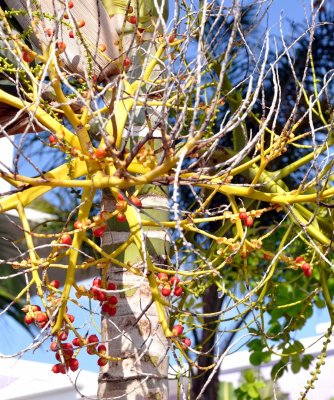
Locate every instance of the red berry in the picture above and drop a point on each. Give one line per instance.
(102, 349)
(76, 342)
(27, 56)
(52, 140)
(93, 339)
(55, 284)
(70, 4)
(28, 319)
(112, 311)
(178, 291)
(73, 363)
(120, 196)
(248, 221)
(100, 296)
(171, 38)
(132, 19)
(81, 23)
(91, 349)
(299, 259)
(71, 34)
(307, 272)
(66, 239)
(56, 368)
(97, 282)
(41, 317)
(187, 341)
(99, 231)
(101, 152)
(307, 269)
(134, 200)
(113, 300)
(70, 317)
(166, 291)
(61, 46)
(111, 286)
(49, 32)
(126, 63)
(66, 16)
(102, 361)
(243, 215)
(177, 330)
(77, 225)
(54, 346)
(105, 307)
(162, 276)
(121, 217)
(174, 280)
(63, 335)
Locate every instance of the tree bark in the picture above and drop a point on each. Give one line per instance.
(135, 334)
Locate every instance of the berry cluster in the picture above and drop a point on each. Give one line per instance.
(108, 302)
(169, 285)
(64, 352)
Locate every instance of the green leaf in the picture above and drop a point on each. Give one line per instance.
(306, 361)
(295, 365)
(278, 370)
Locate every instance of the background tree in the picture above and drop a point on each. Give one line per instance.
(169, 108)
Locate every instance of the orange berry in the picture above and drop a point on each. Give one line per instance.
(81, 23)
(102, 47)
(27, 56)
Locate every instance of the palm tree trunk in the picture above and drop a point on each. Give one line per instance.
(135, 334)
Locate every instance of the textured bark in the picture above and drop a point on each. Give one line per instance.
(135, 333)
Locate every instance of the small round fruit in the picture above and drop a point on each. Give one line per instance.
(99, 231)
(102, 361)
(49, 32)
(113, 300)
(76, 342)
(97, 282)
(27, 56)
(77, 225)
(134, 200)
(299, 259)
(174, 280)
(70, 4)
(101, 152)
(73, 364)
(93, 339)
(111, 286)
(177, 330)
(243, 215)
(55, 284)
(54, 346)
(178, 291)
(121, 217)
(187, 341)
(41, 317)
(29, 319)
(102, 349)
(248, 221)
(112, 311)
(66, 239)
(171, 38)
(81, 23)
(71, 34)
(132, 19)
(52, 140)
(126, 63)
(166, 291)
(61, 46)
(162, 276)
